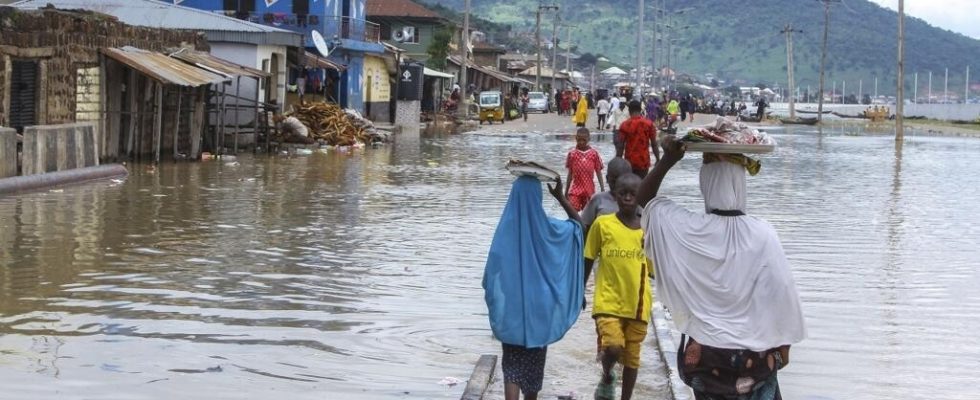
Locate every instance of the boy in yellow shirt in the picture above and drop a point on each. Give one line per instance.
(621, 306)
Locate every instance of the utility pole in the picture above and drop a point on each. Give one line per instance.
(966, 94)
(554, 55)
(915, 90)
(946, 87)
(639, 53)
(900, 97)
(568, 50)
(930, 88)
(823, 55)
(876, 86)
(537, 38)
(860, 91)
(464, 48)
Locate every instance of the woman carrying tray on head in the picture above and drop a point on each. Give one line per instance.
(725, 280)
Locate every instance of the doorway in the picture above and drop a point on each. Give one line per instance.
(24, 94)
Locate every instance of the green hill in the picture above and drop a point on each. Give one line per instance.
(740, 41)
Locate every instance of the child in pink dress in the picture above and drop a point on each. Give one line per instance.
(582, 163)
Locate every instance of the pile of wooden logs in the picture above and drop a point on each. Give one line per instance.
(333, 126)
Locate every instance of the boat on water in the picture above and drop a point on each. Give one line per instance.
(813, 112)
(839, 115)
(799, 121)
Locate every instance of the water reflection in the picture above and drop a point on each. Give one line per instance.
(358, 274)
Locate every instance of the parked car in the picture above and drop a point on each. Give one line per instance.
(537, 101)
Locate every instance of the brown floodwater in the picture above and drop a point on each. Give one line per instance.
(357, 276)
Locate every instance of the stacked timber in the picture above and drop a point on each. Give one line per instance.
(329, 124)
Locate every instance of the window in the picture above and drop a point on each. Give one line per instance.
(301, 7)
(239, 5)
(23, 93)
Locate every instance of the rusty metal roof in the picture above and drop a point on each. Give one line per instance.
(162, 68)
(217, 65)
(399, 8)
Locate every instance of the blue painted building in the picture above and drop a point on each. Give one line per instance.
(342, 23)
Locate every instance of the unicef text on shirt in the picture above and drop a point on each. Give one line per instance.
(625, 253)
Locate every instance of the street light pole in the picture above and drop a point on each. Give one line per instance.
(639, 53)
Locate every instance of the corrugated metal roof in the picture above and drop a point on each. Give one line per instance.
(157, 14)
(218, 65)
(438, 74)
(399, 8)
(162, 68)
(312, 60)
(486, 70)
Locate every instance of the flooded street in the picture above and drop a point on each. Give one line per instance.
(358, 276)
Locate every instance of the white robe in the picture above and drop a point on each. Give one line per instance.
(725, 280)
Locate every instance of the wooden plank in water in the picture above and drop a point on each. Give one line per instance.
(480, 380)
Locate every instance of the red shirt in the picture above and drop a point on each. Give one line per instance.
(637, 133)
(583, 166)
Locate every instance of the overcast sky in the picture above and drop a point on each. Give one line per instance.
(961, 16)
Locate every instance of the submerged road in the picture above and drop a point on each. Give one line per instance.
(357, 275)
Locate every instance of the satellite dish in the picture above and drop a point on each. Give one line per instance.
(320, 44)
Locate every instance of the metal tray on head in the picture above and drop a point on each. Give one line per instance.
(529, 168)
(710, 147)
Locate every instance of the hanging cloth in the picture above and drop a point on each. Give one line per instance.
(533, 279)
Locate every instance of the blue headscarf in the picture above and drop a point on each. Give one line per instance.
(534, 273)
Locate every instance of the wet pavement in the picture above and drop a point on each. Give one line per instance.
(357, 275)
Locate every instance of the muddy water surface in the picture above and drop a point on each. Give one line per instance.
(358, 275)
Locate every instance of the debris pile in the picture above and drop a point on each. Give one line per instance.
(329, 124)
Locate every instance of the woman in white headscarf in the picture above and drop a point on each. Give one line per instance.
(724, 278)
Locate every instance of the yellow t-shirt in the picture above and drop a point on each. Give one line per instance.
(622, 285)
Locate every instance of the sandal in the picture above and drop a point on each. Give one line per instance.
(606, 391)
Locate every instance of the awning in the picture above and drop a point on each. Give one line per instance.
(501, 76)
(437, 74)
(162, 68)
(523, 81)
(218, 65)
(315, 61)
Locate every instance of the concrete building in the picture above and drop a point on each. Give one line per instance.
(350, 38)
(487, 55)
(410, 26)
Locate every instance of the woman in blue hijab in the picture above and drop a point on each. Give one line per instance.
(533, 282)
